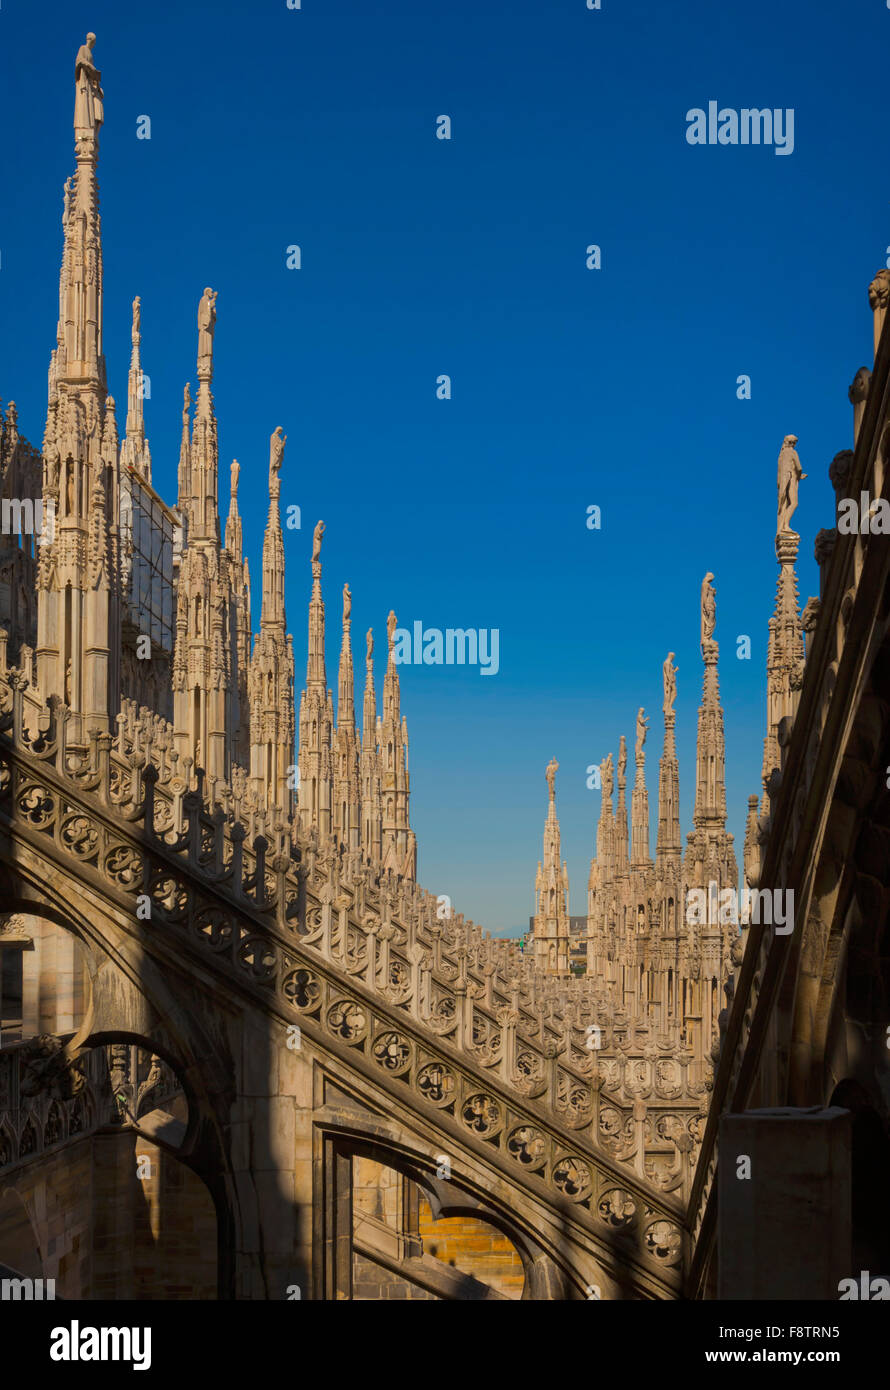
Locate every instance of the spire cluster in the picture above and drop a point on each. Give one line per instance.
(147, 604)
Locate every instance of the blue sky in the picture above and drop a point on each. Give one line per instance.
(570, 387)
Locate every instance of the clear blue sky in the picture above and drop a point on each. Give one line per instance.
(570, 387)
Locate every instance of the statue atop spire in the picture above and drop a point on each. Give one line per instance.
(369, 646)
(390, 628)
(606, 778)
(669, 676)
(708, 610)
(790, 474)
(234, 475)
(206, 328)
(642, 727)
(277, 441)
(316, 543)
(550, 774)
(88, 109)
(347, 605)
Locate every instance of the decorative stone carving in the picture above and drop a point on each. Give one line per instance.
(47, 1070)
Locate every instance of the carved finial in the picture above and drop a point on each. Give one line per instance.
(316, 542)
(708, 609)
(550, 774)
(347, 604)
(669, 676)
(790, 474)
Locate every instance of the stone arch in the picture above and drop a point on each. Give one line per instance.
(548, 1270)
(460, 1255)
(133, 999)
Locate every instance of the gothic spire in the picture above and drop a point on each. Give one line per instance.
(316, 716)
(710, 786)
(135, 453)
(204, 505)
(234, 532)
(391, 691)
(346, 684)
(621, 812)
(369, 723)
(551, 922)
(77, 653)
(785, 649)
(399, 849)
(639, 809)
(347, 752)
(372, 816)
(184, 489)
(272, 614)
(78, 356)
(316, 674)
(271, 678)
(669, 843)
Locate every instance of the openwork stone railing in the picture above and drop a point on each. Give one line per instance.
(362, 960)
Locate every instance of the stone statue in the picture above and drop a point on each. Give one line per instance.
(316, 541)
(88, 112)
(622, 758)
(277, 442)
(186, 402)
(669, 674)
(206, 327)
(347, 603)
(391, 625)
(606, 777)
(708, 609)
(790, 475)
(550, 774)
(137, 319)
(234, 474)
(879, 291)
(858, 392)
(369, 644)
(642, 726)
